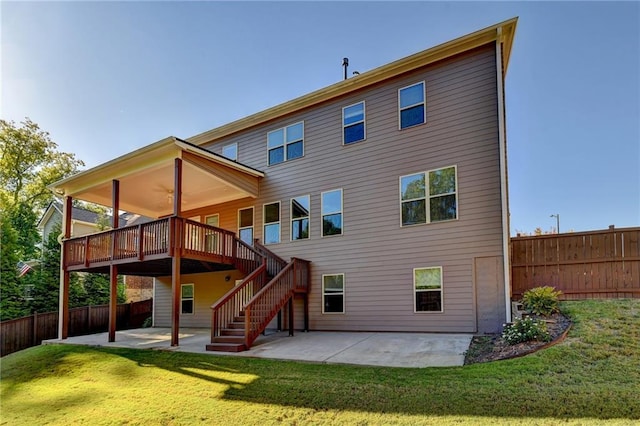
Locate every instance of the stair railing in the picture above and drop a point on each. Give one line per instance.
(231, 304)
(275, 263)
(264, 306)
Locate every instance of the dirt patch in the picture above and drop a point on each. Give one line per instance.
(492, 347)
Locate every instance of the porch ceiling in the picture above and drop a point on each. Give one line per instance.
(146, 179)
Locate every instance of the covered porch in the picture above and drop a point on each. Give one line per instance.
(163, 181)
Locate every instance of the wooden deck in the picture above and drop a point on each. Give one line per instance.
(147, 249)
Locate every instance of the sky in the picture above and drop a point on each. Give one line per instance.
(105, 78)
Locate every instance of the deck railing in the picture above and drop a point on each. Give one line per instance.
(264, 306)
(159, 239)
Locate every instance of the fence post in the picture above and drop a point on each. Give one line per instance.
(89, 318)
(35, 328)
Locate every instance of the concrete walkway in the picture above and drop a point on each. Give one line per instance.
(363, 348)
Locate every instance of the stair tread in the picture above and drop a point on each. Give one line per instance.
(226, 347)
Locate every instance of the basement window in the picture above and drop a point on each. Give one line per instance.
(333, 294)
(427, 283)
(187, 299)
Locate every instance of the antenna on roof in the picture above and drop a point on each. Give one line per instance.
(345, 64)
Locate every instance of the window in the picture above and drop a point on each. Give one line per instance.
(427, 285)
(353, 123)
(332, 212)
(333, 294)
(211, 238)
(412, 105)
(245, 225)
(286, 143)
(230, 151)
(440, 203)
(186, 299)
(272, 223)
(300, 217)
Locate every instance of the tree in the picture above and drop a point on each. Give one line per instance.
(11, 291)
(30, 161)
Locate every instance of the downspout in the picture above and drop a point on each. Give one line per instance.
(504, 189)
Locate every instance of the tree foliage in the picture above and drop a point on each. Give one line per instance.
(11, 292)
(30, 161)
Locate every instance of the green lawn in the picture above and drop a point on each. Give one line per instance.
(593, 376)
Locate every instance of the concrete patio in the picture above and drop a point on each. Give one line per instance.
(362, 348)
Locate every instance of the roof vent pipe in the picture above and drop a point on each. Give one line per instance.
(345, 64)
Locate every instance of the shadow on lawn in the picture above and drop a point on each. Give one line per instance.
(528, 387)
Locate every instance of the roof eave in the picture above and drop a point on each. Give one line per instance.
(503, 31)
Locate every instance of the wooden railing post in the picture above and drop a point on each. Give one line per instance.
(86, 251)
(140, 243)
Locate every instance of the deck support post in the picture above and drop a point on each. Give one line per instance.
(113, 301)
(306, 312)
(177, 226)
(291, 315)
(113, 269)
(63, 320)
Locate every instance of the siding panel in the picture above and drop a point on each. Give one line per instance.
(375, 253)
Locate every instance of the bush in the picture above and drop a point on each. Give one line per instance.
(525, 330)
(541, 300)
(148, 322)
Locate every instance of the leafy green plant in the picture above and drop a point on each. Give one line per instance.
(525, 330)
(148, 322)
(541, 300)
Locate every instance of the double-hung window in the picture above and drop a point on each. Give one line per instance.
(272, 223)
(353, 128)
(300, 207)
(427, 286)
(411, 101)
(245, 225)
(429, 197)
(333, 294)
(187, 299)
(286, 143)
(332, 212)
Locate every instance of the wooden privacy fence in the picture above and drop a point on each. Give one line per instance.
(583, 265)
(22, 333)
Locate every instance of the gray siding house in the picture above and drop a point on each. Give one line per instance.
(391, 185)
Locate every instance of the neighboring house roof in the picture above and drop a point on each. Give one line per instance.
(78, 214)
(90, 217)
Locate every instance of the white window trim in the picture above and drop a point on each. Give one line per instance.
(284, 143)
(253, 222)
(424, 102)
(192, 298)
(364, 122)
(226, 146)
(279, 222)
(292, 218)
(341, 211)
(428, 197)
(441, 291)
(344, 294)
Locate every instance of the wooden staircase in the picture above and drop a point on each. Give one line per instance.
(244, 312)
(231, 339)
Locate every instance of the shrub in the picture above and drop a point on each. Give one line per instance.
(147, 322)
(525, 330)
(541, 300)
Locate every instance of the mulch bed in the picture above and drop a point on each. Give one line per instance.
(492, 347)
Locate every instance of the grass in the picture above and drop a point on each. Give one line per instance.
(594, 376)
